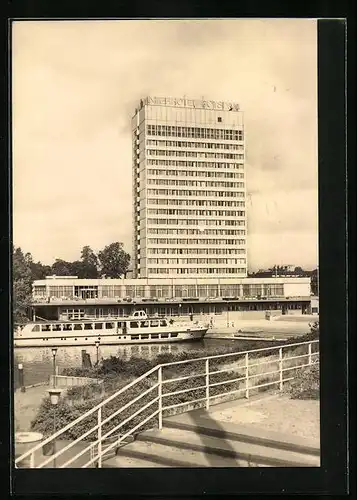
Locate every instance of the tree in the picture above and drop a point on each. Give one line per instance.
(21, 285)
(77, 268)
(40, 271)
(89, 261)
(61, 268)
(114, 261)
(315, 282)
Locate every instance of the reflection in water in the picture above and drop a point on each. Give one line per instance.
(38, 361)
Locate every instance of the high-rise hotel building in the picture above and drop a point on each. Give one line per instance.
(189, 189)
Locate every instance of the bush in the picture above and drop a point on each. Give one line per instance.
(66, 413)
(84, 392)
(306, 384)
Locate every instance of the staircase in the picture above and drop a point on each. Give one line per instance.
(194, 439)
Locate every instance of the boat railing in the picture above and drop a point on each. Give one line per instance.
(108, 425)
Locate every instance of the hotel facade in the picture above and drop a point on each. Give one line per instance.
(189, 189)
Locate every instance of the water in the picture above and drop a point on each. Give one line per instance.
(38, 361)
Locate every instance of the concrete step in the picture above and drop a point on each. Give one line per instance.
(131, 462)
(178, 448)
(200, 422)
(225, 447)
(161, 450)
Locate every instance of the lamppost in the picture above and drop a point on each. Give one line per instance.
(54, 352)
(54, 398)
(97, 343)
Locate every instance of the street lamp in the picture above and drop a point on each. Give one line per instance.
(54, 398)
(97, 343)
(54, 352)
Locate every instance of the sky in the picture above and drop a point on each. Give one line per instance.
(75, 85)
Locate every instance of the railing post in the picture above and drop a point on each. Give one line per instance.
(247, 376)
(159, 379)
(207, 384)
(310, 354)
(32, 460)
(281, 368)
(100, 437)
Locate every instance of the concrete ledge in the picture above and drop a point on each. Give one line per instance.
(203, 423)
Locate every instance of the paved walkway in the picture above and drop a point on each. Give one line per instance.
(275, 412)
(26, 405)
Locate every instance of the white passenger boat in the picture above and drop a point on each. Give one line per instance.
(136, 329)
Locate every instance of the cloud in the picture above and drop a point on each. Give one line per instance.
(75, 87)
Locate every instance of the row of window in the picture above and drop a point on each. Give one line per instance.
(195, 222)
(153, 291)
(188, 144)
(195, 261)
(188, 232)
(196, 251)
(201, 241)
(195, 132)
(196, 173)
(212, 213)
(194, 154)
(195, 164)
(179, 182)
(198, 270)
(195, 193)
(196, 203)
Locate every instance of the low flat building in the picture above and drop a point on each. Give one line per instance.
(70, 298)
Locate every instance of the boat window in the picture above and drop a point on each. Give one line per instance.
(135, 337)
(154, 335)
(134, 324)
(143, 337)
(98, 326)
(45, 328)
(144, 324)
(88, 326)
(56, 328)
(36, 328)
(155, 322)
(174, 334)
(109, 325)
(164, 335)
(67, 327)
(163, 322)
(78, 326)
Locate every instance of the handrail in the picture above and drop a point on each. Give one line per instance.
(158, 371)
(228, 354)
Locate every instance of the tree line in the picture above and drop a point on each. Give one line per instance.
(110, 262)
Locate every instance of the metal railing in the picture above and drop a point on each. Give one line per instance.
(156, 392)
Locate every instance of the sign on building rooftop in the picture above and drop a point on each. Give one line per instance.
(183, 102)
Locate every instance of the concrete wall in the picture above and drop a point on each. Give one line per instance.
(297, 288)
